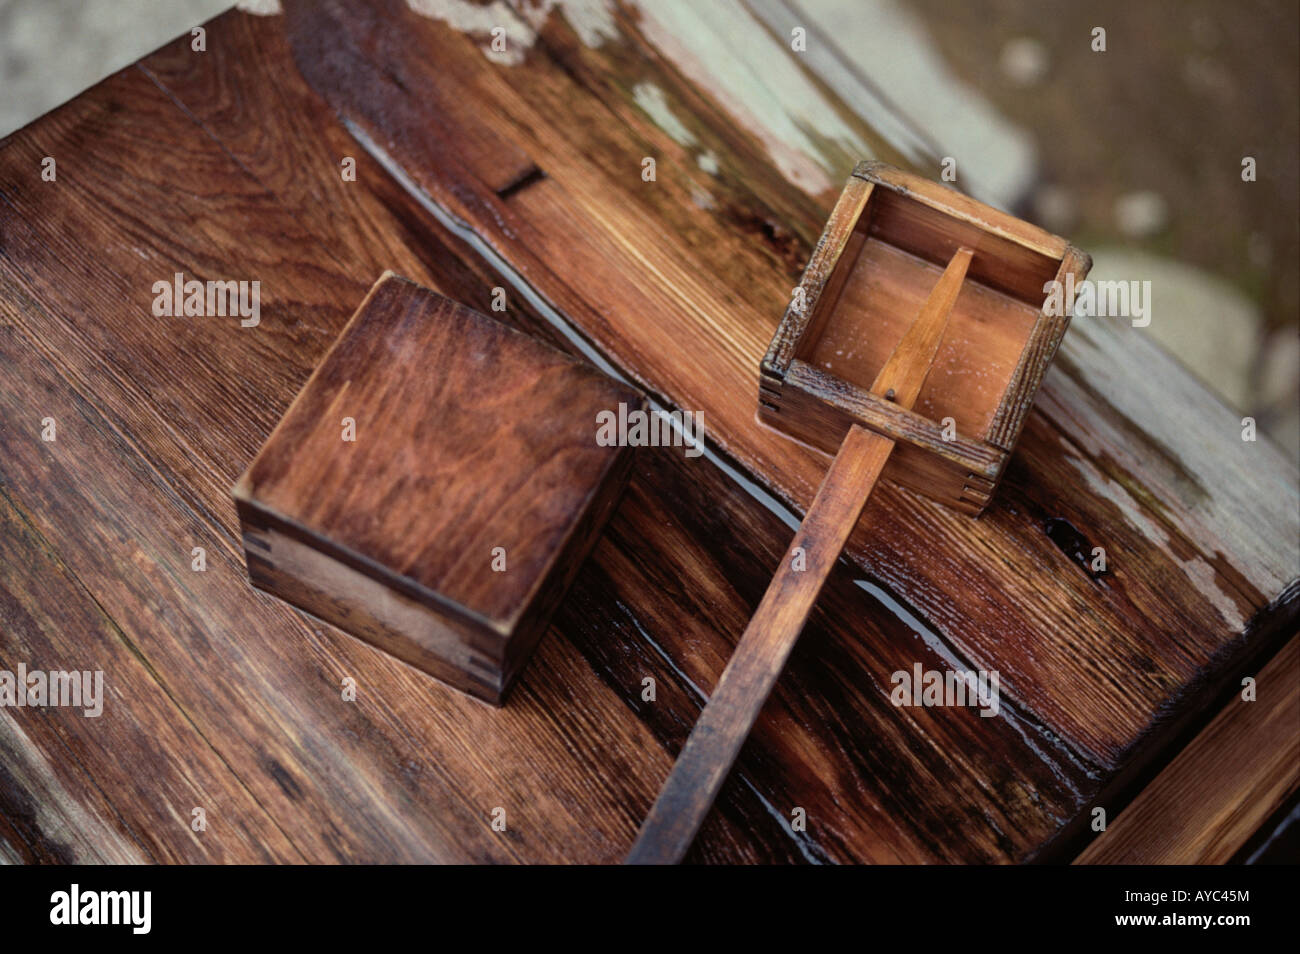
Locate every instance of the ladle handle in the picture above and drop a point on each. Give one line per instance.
(761, 654)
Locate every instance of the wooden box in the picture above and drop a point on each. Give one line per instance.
(885, 246)
(446, 530)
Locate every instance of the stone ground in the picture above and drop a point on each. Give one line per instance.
(1138, 148)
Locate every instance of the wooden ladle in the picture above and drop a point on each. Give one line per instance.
(760, 656)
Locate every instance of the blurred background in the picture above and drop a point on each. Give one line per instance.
(1122, 151)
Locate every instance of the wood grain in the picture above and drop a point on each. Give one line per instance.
(762, 652)
(195, 162)
(820, 407)
(140, 485)
(1222, 787)
(821, 282)
(888, 238)
(770, 637)
(908, 368)
(446, 520)
(636, 251)
(77, 768)
(410, 749)
(932, 221)
(985, 340)
(1035, 358)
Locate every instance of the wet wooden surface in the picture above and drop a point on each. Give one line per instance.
(523, 170)
(1223, 786)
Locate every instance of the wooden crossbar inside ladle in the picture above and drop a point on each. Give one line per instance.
(727, 719)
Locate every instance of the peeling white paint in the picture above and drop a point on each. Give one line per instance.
(875, 57)
(1254, 510)
(592, 20)
(719, 45)
(1207, 581)
(1198, 570)
(260, 8)
(722, 48)
(1107, 489)
(479, 21)
(846, 73)
(708, 162)
(702, 197)
(652, 100)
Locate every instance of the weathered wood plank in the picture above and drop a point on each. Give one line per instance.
(760, 656)
(689, 496)
(130, 776)
(773, 630)
(1177, 597)
(114, 504)
(1222, 787)
(165, 378)
(708, 258)
(863, 716)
